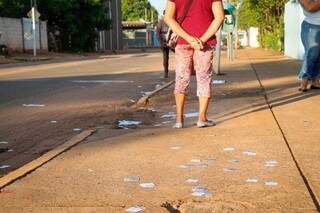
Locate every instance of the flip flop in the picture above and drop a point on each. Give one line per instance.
(177, 126)
(207, 123)
(303, 90)
(314, 87)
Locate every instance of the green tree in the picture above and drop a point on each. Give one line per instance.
(14, 8)
(267, 15)
(133, 10)
(77, 20)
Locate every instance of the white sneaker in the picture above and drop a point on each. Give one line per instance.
(177, 126)
(207, 123)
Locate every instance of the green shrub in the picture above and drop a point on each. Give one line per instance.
(267, 15)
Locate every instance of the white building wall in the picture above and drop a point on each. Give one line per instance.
(11, 33)
(293, 18)
(17, 36)
(253, 37)
(44, 35)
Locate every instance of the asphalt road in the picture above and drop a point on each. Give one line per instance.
(69, 95)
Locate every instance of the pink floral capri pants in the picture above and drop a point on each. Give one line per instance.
(186, 57)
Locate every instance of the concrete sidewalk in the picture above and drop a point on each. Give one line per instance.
(262, 156)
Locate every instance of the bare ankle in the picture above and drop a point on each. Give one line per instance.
(304, 83)
(203, 118)
(179, 119)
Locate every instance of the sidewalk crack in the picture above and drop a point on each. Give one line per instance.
(303, 176)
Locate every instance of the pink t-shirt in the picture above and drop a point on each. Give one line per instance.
(198, 19)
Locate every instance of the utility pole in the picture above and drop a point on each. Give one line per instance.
(238, 7)
(218, 53)
(145, 14)
(33, 6)
(152, 18)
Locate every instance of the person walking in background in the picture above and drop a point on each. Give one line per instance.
(310, 36)
(162, 30)
(201, 20)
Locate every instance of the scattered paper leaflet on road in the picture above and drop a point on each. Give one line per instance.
(102, 81)
(33, 105)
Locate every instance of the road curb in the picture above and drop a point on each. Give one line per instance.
(31, 59)
(33, 165)
(143, 101)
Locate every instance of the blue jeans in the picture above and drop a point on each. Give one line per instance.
(310, 36)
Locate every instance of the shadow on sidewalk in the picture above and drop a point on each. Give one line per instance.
(264, 106)
(86, 106)
(280, 88)
(81, 102)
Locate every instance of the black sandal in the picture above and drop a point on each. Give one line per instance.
(314, 87)
(303, 90)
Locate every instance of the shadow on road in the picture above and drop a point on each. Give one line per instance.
(100, 105)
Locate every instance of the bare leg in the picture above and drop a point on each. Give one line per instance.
(304, 85)
(203, 67)
(184, 57)
(203, 108)
(180, 100)
(165, 52)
